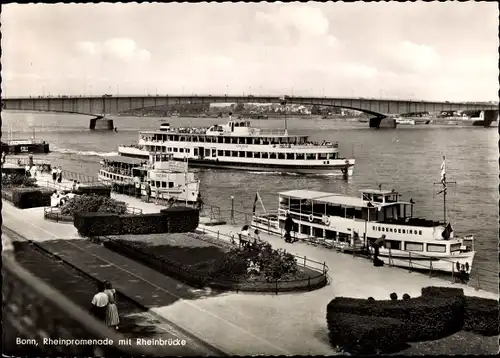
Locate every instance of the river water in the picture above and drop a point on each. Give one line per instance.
(405, 159)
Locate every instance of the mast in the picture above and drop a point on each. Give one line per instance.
(444, 189)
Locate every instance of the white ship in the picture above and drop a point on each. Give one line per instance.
(351, 223)
(236, 145)
(173, 180)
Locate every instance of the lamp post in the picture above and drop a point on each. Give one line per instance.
(232, 209)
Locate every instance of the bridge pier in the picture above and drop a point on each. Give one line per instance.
(100, 123)
(489, 116)
(382, 122)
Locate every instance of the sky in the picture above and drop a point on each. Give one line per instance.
(423, 51)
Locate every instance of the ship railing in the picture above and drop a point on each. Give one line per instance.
(34, 310)
(477, 277)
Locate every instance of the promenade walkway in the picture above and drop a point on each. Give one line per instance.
(242, 324)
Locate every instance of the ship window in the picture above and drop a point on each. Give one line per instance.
(234, 153)
(436, 248)
(157, 184)
(241, 154)
(195, 151)
(415, 232)
(257, 155)
(249, 154)
(322, 156)
(331, 155)
(404, 231)
(399, 231)
(265, 155)
(374, 228)
(207, 152)
(241, 140)
(290, 156)
(234, 140)
(393, 245)
(169, 149)
(181, 150)
(410, 231)
(220, 153)
(187, 150)
(281, 155)
(414, 246)
(455, 247)
(305, 229)
(272, 155)
(220, 140)
(163, 184)
(310, 156)
(170, 184)
(420, 232)
(227, 153)
(227, 140)
(249, 140)
(214, 152)
(299, 156)
(175, 150)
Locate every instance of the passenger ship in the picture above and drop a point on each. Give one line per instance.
(172, 178)
(236, 145)
(336, 219)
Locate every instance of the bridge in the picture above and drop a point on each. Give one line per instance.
(380, 109)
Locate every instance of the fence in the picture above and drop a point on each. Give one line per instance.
(52, 213)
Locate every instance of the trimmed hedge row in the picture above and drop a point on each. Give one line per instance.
(95, 190)
(102, 224)
(144, 224)
(97, 224)
(25, 198)
(425, 318)
(360, 335)
(182, 218)
(481, 316)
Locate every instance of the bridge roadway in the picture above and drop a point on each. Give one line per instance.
(113, 105)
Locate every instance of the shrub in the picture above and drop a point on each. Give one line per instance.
(394, 296)
(18, 180)
(406, 297)
(481, 316)
(361, 335)
(94, 190)
(371, 299)
(144, 224)
(181, 218)
(97, 224)
(424, 318)
(92, 204)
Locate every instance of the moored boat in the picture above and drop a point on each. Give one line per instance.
(352, 223)
(172, 179)
(236, 145)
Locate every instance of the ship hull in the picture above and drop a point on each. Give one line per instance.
(28, 148)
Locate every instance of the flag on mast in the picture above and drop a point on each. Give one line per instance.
(443, 172)
(257, 198)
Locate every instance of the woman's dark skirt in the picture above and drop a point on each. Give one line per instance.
(99, 312)
(54, 175)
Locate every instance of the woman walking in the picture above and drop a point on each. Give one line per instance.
(54, 174)
(99, 303)
(112, 317)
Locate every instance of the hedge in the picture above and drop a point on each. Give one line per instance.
(182, 218)
(433, 291)
(425, 318)
(96, 190)
(360, 335)
(144, 224)
(97, 224)
(481, 316)
(25, 198)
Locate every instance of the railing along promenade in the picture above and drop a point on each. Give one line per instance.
(479, 279)
(34, 310)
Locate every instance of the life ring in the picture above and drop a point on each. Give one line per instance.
(326, 220)
(311, 218)
(467, 267)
